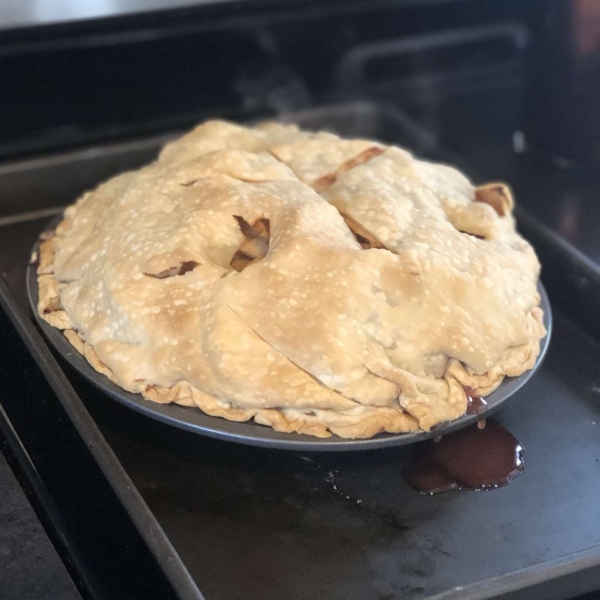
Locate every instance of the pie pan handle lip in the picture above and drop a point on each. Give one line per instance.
(250, 433)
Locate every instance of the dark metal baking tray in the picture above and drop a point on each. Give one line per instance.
(251, 433)
(260, 524)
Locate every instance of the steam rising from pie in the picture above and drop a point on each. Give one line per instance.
(311, 283)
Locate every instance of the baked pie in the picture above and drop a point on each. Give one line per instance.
(312, 283)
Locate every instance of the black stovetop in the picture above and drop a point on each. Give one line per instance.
(327, 515)
(283, 525)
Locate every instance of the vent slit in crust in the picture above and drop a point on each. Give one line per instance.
(274, 348)
(366, 239)
(321, 184)
(256, 244)
(180, 269)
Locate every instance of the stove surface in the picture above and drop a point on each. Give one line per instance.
(349, 520)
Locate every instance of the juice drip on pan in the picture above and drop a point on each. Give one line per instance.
(470, 459)
(476, 405)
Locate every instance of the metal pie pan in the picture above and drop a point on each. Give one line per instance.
(250, 433)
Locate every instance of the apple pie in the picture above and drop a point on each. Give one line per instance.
(312, 283)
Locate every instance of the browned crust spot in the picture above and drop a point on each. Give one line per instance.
(52, 305)
(48, 234)
(496, 195)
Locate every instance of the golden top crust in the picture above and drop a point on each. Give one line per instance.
(312, 283)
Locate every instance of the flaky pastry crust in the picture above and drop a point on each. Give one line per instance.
(311, 283)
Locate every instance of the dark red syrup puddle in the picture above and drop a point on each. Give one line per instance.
(473, 458)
